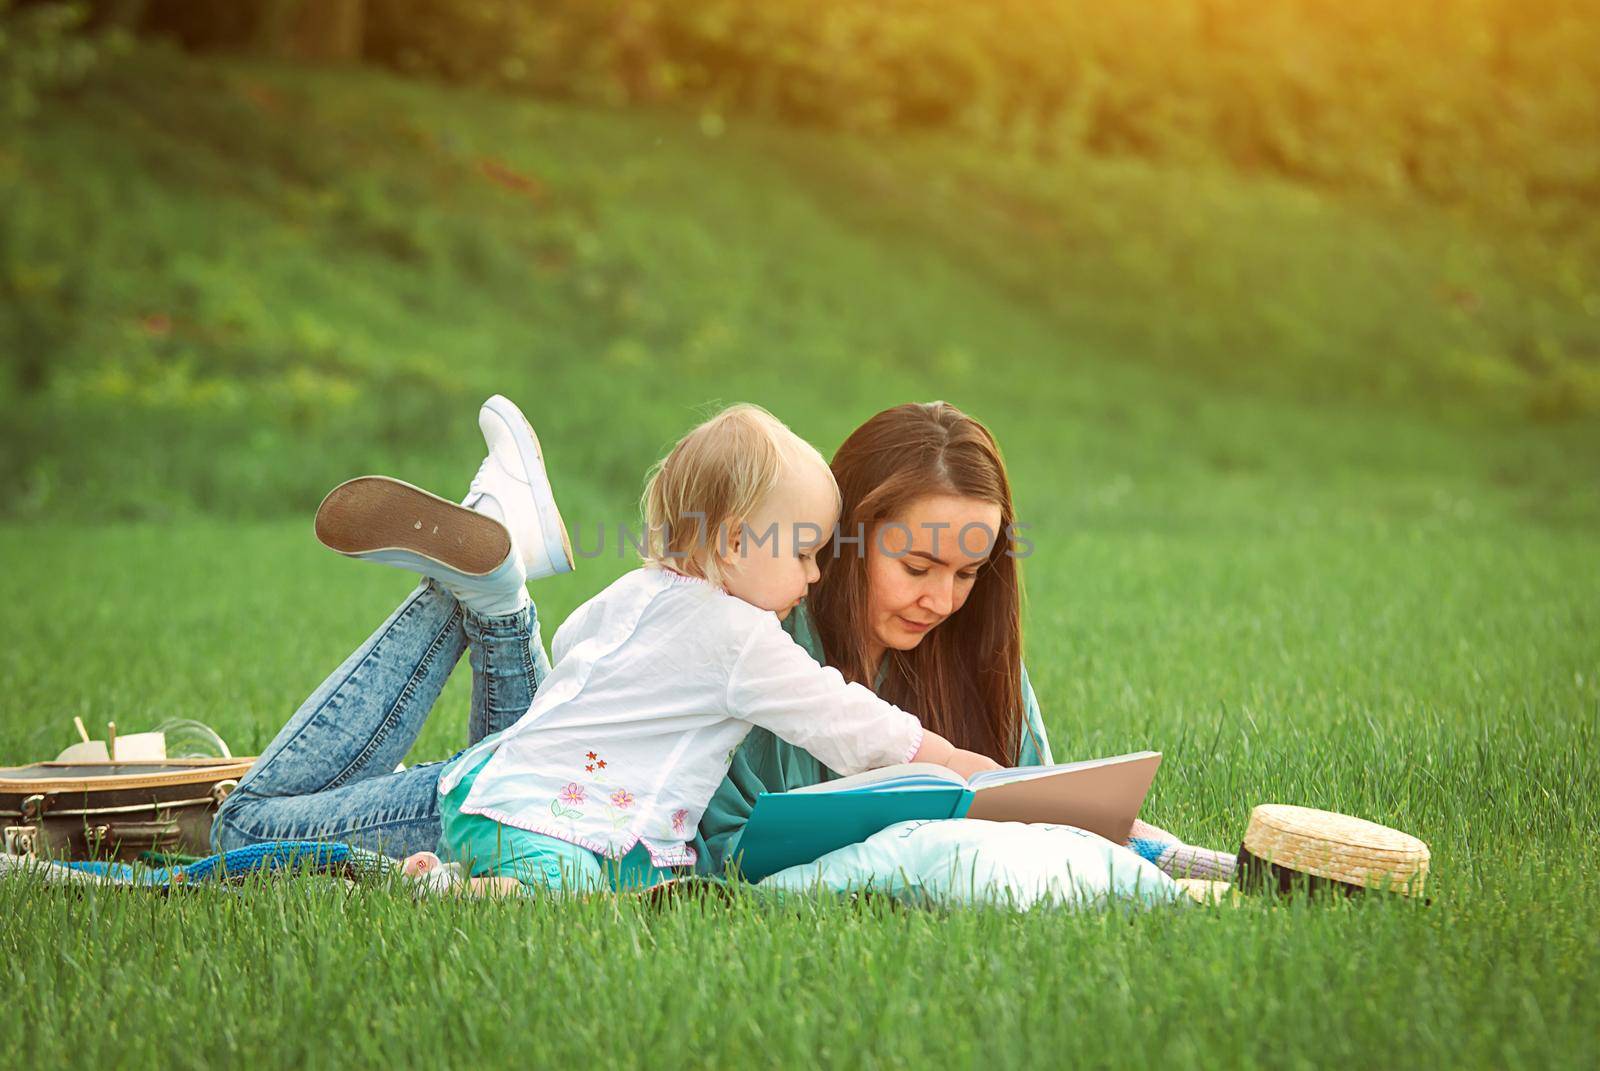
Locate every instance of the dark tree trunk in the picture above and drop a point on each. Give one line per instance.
(330, 30)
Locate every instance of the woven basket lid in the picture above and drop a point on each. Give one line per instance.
(1337, 847)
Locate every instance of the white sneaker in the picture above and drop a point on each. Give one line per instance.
(511, 486)
(469, 554)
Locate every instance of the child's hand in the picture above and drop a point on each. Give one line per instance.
(936, 748)
(967, 763)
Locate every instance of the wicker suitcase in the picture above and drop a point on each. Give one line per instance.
(114, 810)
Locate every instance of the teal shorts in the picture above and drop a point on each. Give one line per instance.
(485, 847)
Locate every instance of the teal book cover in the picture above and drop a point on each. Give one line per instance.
(788, 828)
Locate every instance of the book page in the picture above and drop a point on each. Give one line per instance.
(905, 771)
(1029, 773)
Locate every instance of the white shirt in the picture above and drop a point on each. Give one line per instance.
(656, 681)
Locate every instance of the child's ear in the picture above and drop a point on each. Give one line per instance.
(730, 542)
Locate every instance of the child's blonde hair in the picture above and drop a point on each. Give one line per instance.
(724, 469)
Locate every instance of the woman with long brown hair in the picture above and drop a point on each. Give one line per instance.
(920, 600)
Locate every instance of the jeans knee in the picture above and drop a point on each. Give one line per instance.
(219, 838)
(226, 834)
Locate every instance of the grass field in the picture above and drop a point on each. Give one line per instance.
(1325, 542)
(1441, 682)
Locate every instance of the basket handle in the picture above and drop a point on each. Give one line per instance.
(161, 834)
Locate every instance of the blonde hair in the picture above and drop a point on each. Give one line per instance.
(723, 469)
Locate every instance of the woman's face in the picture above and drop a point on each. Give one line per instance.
(921, 566)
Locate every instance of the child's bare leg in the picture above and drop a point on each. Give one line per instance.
(493, 887)
(422, 864)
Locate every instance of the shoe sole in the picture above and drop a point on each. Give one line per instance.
(558, 549)
(376, 513)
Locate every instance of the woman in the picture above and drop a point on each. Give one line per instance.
(928, 616)
(924, 610)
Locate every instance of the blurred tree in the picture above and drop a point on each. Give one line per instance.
(119, 14)
(323, 30)
(274, 23)
(1493, 102)
(42, 48)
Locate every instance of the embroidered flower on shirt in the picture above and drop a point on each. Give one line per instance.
(592, 756)
(601, 764)
(572, 794)
(622, 799)
(589, 767)
(678, 818)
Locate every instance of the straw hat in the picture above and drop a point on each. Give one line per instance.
(1284, 845)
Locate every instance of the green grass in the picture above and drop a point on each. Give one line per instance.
(1444, 682)
(1287, 534)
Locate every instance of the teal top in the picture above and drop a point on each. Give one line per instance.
(764, 763)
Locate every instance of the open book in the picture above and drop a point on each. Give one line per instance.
(788, 828)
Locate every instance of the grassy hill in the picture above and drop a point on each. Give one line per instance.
(251, 280)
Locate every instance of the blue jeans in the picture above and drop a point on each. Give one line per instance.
(330, 773)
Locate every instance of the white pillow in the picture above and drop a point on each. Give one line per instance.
(966, 861)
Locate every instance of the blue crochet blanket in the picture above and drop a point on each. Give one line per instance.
(340, 860)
